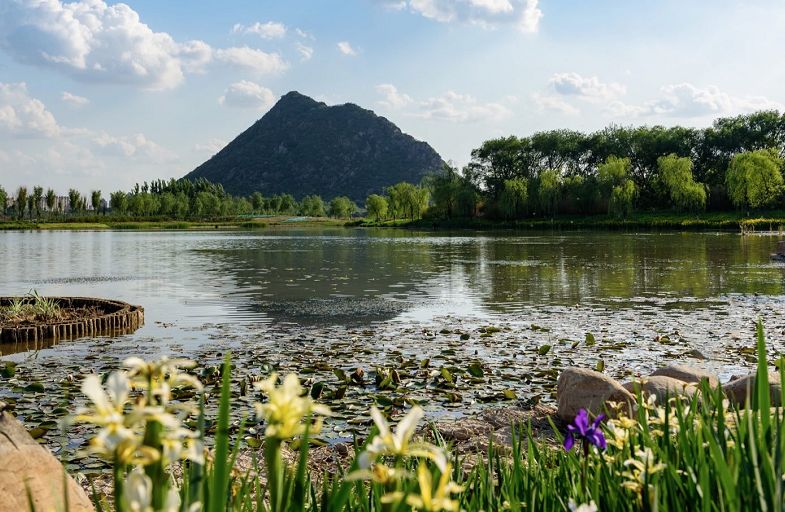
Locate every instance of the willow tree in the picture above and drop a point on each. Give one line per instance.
(514, 198)
(684, 192)
(754, 178)
(376, 206)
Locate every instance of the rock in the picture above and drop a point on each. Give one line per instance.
(662, 387)
(736, 389)
(463, 429)
(579, 388)
(687, 374)
(24, 464)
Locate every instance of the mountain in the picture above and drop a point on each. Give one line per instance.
(302, 146)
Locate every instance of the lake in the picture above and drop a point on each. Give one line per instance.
(316, 301)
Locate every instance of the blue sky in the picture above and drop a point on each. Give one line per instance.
(99, 95)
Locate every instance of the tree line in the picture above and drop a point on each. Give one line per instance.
(176, 199)
(736, 163)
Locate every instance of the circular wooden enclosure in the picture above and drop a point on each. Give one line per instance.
(113, 318)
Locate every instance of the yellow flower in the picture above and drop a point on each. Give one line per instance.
(379, 473)
(641, 469)
(619, 436)
(286, 408)
(429, 499)
(399, 443)
(118, 430)
(158, 378)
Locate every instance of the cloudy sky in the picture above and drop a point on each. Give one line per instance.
(96, 94)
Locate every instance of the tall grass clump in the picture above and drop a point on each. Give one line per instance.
(700, 453)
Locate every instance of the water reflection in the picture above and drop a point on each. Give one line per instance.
(358, 276)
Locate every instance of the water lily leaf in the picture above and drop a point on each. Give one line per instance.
(544, 349)
(475, 369)
(9, 370)
(590, 341)
(446, 375)
(253, 442)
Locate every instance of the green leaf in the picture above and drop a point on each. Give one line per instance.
(590, 341)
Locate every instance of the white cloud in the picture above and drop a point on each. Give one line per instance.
(491, 14)
(24, 116)
(133, 146)
(688, 101)
(252, 59)
(249, 95)
(392, 98)
(93, 41)
(74, 100)
(302, 33)
(210, 147)
(586, 88)
(345, 48)
(306, 52)
(461, 108)
(267, 30)
(545, 102)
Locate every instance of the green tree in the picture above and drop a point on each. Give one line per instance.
(676, 175)
(51, 200)
(37, 197)
(622, 199)
(312, 206)
(619, 189)
(548, 191)
(118, 201)
(95, 200)
(288, 204)
(257, 201)
(376, 206)
(342, 207)
(74, 200)
(754, 178)
(3, 200)
(514, 198)
(21, 201)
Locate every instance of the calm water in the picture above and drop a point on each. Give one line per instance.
(197, 287)
(352, 277)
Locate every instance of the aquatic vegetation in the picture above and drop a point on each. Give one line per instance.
(30, 308)
(699, 454)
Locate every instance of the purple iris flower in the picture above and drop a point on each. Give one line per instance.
(580, 430)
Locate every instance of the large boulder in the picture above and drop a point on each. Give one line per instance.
(579, 388)
(662, 387)
(737, 389)
(687, 374)
(27, 466)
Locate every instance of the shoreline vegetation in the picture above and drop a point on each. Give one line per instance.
(646, 177)
(645, 455)
(765, 221)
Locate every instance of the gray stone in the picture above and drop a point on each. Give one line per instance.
(661, 386)
(579, 388)
(687, 374)
(738, 388)
(27, 466)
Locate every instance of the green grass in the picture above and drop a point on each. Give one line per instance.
(708, 221)
(102, 223)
